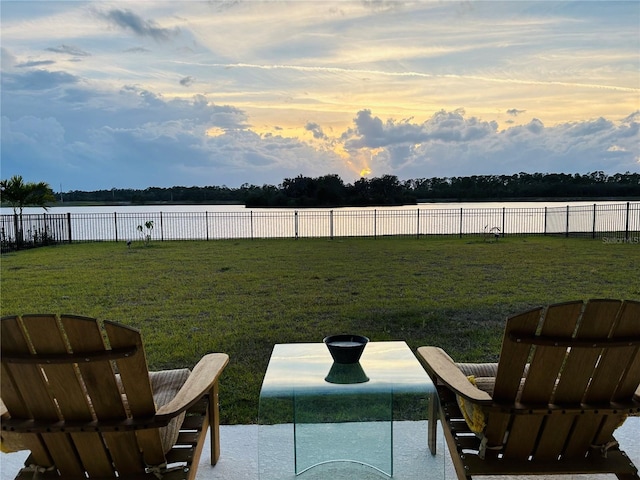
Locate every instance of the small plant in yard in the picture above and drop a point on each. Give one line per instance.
(491, 233)
(146, 235)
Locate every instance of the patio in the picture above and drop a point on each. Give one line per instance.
(239, 459)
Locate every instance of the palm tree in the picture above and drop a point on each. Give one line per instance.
(19, 195)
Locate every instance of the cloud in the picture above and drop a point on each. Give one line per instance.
(506, 82)
(634, 117)
(90, 138)
(36, 80)
(221, 5)
(514, 112)
(535, 126)
(316, 130)
(372, 132)
(187, 81)
(449, 144)
(35, 63)
(137, 50)
(69, 50)
(134, 137)
(127, 20)
(33, 146)
(382, 5)
(7, 58)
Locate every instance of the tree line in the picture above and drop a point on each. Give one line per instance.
(330, 190)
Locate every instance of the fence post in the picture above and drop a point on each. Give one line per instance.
(295, 216)
(593, 230)
(626, 228)
(375, 223)
(566, 234)
(544, 232)
(115, 223)
(331, 224)
(460, 222)
(161, 228)
(206, 224)
(418, 224)
(251, 218)
(69, 225)
(503, 222)
(46, 233)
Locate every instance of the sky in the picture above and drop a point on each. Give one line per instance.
(135, 94)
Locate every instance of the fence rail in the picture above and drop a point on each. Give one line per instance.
(617, 221)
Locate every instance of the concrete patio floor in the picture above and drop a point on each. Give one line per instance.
(240, 459)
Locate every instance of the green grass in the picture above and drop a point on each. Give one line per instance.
(242, 297)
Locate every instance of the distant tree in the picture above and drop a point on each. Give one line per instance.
(331, 190)
(300, 191)
(386, 190)
(360, 192)
(19, 194)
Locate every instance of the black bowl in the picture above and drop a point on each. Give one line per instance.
(346, 348)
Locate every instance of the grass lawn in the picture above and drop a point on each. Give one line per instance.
(243, 296)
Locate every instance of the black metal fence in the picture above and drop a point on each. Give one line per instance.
(619, 221)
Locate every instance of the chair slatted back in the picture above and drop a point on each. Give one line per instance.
(69, 375)
(139, 393)
(581, 357)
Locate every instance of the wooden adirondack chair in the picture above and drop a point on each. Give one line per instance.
(83, 402)
(567, 377)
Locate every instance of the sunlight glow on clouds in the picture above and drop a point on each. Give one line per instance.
(138, 94)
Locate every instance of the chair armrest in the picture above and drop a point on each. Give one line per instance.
(443, 370)
(201, 380)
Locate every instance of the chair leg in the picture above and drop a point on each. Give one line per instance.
(434, 409)
(214, 424)
(627, 476)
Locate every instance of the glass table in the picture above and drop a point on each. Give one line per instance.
(337, 412)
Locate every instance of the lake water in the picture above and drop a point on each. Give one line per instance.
(61, 208)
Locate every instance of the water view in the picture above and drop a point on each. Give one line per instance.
(61, 208)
